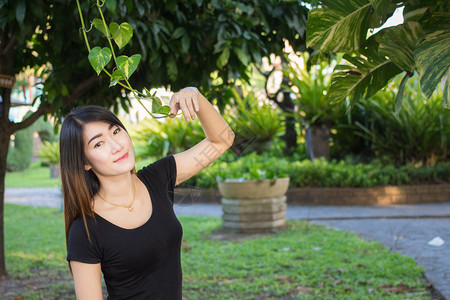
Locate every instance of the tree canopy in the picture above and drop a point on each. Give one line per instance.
(181, 43)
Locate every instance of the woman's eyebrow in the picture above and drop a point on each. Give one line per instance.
(100, 134)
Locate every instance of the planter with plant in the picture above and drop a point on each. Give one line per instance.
(316, 113)
(49, 153)
(253, 194)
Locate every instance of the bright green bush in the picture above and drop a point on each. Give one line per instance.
(158, 138)
(20, 151)
(49, 152)
(419, 134)
(321, 173)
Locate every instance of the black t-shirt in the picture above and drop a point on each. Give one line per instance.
(139, 263)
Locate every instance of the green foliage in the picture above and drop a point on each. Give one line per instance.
(420, 133)
(419, 44)
(160, 138)
(252, 167)
(240, 268)
(320, 173)
(49, 152)
(309, 85)
(256, 124)
(20, 152)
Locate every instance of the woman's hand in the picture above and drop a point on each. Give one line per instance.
(187, 101)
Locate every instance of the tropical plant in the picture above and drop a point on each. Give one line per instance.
(255, 122)
(164, 137)
(309, 84)
(49, 152)
(419, 133)
(419, 45)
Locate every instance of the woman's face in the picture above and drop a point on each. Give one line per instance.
(108, 149)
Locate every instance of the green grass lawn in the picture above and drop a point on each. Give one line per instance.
(303, 261)
(35, 176)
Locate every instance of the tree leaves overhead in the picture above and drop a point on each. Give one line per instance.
(399, 42)
(420, 44)
(433, 61)
(340, 26)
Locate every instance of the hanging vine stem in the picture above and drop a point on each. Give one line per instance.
(100, 57)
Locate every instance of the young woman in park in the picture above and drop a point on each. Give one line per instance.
(120, 222)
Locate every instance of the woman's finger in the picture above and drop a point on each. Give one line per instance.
(190, 107)
(184, 109)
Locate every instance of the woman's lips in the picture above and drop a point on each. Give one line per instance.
(125, 156)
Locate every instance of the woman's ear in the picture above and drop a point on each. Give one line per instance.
(87, 166)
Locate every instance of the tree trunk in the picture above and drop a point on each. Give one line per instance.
(290, 135)
(4, 143)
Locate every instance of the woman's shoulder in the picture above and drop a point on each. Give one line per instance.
(162, 165)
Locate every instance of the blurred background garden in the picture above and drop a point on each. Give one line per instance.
(280, 95)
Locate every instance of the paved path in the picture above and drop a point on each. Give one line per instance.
(406, 229)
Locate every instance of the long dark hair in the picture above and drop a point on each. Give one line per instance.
(78, 185)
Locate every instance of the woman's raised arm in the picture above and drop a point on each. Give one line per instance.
(219, 136)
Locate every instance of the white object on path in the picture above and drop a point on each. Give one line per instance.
(437, 241)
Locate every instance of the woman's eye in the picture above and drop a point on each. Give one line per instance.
(98, 144)
(117, 130)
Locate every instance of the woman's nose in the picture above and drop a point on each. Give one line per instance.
(116, 146)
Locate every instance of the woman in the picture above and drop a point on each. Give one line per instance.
(119, 222)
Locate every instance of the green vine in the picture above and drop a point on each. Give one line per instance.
(124, 65)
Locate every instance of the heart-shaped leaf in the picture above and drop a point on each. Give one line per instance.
(128, 64)
(116, 76)
(99, 58)
(121, 33)
(156, 104)
(164, 110)
(99, 25)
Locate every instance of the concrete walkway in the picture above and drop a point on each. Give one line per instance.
(407, 229)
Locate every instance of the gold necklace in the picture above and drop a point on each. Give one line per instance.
(130, 207)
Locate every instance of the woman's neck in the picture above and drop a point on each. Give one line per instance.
(117, 189)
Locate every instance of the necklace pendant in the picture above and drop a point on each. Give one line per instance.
(130, 209)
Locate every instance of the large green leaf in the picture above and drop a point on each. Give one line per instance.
(399, 42)
(339, 26)
(99, 58)
(223, 58)
(128, 64)
(362, 76)
(433, 60)
(121, 34)
(446, 98)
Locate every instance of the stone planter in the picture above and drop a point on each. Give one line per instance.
(254, 206)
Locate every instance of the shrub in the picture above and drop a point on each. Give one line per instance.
(20, 151)
(419, 133)
(49, 152)
(155, 137)
(321, 173)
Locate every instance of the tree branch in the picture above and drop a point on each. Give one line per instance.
(82, 88)
(10, 45)
(43, 109)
